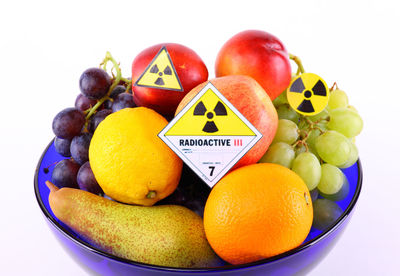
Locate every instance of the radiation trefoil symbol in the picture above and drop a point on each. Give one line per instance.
(219, 110)
(160, 73)
(308, 94)
(154, 70)
(210, 135)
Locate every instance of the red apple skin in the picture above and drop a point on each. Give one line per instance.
(189, 66)
(252, 102)
(259, 55)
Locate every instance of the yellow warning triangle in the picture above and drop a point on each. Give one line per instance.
(160, 73)
(210, 116)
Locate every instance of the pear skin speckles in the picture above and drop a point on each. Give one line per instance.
(165, 235)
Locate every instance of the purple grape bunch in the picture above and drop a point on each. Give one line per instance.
(73, 127)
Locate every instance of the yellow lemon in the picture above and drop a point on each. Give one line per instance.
(129, 161)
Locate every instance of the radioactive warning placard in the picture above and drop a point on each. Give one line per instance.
(308, 94)
(160, 73)
(210, 135)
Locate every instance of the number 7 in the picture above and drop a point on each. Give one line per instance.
(212, 170)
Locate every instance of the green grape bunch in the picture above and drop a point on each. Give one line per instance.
(317, 147)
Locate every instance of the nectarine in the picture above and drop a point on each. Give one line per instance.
(259, 55)
(189, 67)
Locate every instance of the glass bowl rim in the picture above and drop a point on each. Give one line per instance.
(281, 256)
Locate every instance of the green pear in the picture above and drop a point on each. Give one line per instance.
(165, 235)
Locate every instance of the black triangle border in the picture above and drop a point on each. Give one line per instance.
(148, 66)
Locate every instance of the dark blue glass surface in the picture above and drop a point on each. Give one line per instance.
(299, 260)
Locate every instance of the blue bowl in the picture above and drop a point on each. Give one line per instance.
(298, 260)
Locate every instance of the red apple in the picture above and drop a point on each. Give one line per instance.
(189, 67)
(259, 55)
(252, 102)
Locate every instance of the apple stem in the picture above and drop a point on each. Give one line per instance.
(296, 59)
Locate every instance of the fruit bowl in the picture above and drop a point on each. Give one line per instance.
(298, 260)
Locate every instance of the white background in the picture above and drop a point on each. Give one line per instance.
(45, 46)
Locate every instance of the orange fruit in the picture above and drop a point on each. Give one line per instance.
(256, 212)
(129, 161)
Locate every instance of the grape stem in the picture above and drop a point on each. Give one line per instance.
(128, 84)
(301, 142)
(126, 80)
(306, 132)
(296, 59)
(128, 87)
(333, 86)
(46, 170)
(113, 85)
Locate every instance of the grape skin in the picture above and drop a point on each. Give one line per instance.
(314, 194)
(97, 119)
(286, 132)
(307, 166)
(352, 108)
(332, 179)
(87, 181)
(279, 153)
(281, 99)
(314, 134)
(320, 116)
(326, 212)
(352, 158)
(123, 100)
(337, 99)
(117, 90)
(68, 123)
(286, 112)
(333, 147)
(301, 148)
(114, 93)
(346, 121)
(62, 146)
(94, 83)
(64, 174)
(83, 103)
(80, 147)
(341, 194)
